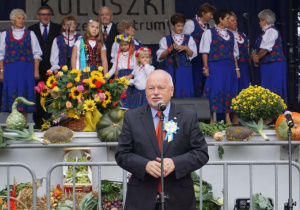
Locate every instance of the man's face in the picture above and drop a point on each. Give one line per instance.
(158, 89)
(105, 16)
(44, 16)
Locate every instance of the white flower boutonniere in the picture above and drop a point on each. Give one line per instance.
(171, 128)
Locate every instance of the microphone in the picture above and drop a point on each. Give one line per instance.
(69, 25)
(246, 15)
(289, 119)
(161, 106)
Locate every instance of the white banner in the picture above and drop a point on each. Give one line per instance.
(148, 15)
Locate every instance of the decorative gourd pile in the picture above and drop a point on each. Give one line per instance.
(110, 125)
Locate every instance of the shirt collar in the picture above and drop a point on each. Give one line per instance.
(13, 29)
(225, 29)
(267, 27)
(166, 112)
(41, 24)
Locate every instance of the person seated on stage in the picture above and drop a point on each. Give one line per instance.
(20, 55)
(185, 50)
(63, 44)
(196, 28)
(124, 64)
(269, 56)
(89, 50)
(140, 74)
(125, 27)
(138, 150)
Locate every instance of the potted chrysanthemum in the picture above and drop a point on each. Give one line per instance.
(74, 93)
(255, 104)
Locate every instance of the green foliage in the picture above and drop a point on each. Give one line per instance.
(111, 190)
(259, 202)
(211, 129)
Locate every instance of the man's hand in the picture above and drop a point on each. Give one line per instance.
(153, 168)
(169, 166)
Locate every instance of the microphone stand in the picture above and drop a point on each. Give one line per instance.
(175, 65)
(68, 49)
(162, 195)
(250, 49)
(289, 205)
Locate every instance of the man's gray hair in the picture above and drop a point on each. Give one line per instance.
(267, 15)
(169, 77)
(15, 12)
(105, 7)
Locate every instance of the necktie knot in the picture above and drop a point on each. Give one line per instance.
(158, 114)
(45, 32)
(45, 25)
(105, 27)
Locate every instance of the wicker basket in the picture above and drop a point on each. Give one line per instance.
(75, 124)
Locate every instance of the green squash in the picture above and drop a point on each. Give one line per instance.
(110, 125)
(16, 120)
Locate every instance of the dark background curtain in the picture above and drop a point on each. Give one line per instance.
(285, 10)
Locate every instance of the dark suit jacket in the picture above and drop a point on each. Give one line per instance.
(46, 46)
(138, 145)
(109, 42)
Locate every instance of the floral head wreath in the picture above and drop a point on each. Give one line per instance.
(141, 49)
(124, 38)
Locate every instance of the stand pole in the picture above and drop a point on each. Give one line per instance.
(68, 49)
(289, 205)
(250, 49)
(162, 194)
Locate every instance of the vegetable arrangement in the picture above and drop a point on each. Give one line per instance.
(258, 128)
(209, 202)
(215, 130)
(259, 202)
(81, 172)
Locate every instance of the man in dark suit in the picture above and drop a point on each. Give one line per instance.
(138, 150)
(45, 31)
(109, 31)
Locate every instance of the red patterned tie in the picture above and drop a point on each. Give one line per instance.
(105, 33)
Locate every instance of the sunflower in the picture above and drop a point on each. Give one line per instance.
(107, 99)
(94, 79)
(96, 73)
(50, 81)
(89, 105)
(77, 73)
(45, 92)
(75, 93)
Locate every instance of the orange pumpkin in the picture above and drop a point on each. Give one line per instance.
(281, 127)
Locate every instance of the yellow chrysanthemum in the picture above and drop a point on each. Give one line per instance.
(50, 81)
(96, 74)
(107, 99)
(65, 68)
(89, 105)
(100, 68)
(75, 93)
(45, 92)
(60, 73)
(107, 76)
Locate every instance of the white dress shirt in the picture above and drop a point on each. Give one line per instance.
(42, 28)
(18, 34)
(189, 26)
(163, 46)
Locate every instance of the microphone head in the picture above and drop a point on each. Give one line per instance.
(245, 15)
(287, 113)
(69, 24)
(161, 106)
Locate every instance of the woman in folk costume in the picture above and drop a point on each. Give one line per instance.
(125, 27)
(220, 51)
(89, 50)
(123, 65)
(243, 61)
(185, 50)
(196, 28)
(20, 55)
(60, 48)
(269, 55)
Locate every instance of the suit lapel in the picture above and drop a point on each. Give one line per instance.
(147, 120)
(173, 115)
